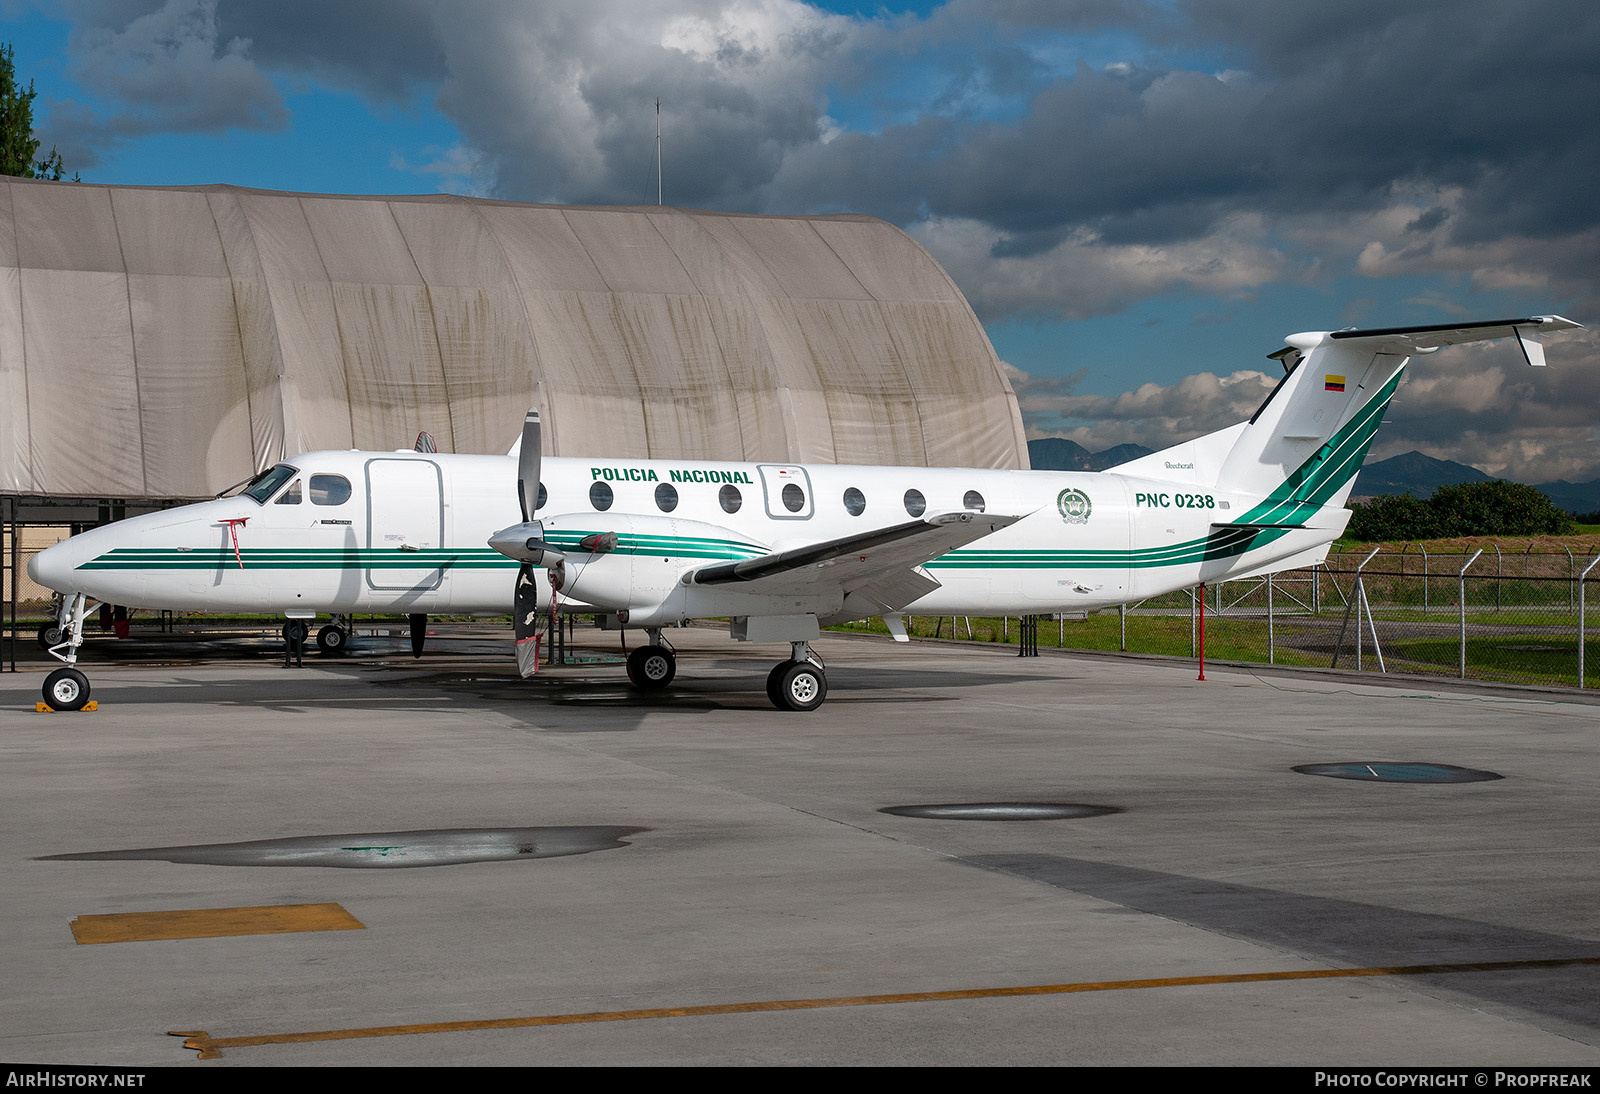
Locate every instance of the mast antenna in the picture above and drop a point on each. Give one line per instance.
(658, 151)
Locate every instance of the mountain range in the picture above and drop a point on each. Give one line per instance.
(1060, 454)
(1408, 473)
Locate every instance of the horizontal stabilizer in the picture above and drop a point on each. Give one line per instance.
(1424, 339)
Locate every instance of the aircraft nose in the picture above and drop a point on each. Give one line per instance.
(53, 566)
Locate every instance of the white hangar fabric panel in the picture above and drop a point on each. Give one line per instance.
(168, 342)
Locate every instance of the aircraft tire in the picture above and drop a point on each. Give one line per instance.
(801, 687)
(66, 689)
(291, 627)
(332, 639)
(774, 681)
(652, 668)
(50, 634)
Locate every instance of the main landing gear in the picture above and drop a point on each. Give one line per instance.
(652, 667)
(334, 637)
(331, 639)
(66, 688)
(800, 683)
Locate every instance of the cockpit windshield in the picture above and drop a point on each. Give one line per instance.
(266, 484)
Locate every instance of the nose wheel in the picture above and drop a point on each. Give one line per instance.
(66, 689)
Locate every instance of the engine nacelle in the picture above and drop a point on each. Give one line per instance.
(626, 560)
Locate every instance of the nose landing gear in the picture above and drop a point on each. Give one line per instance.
(66, 688)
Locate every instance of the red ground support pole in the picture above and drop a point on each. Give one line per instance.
(1202, 630)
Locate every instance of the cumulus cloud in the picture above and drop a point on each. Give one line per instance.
(1154, 415)
(1083, 275)
(1114, 123)
(167, 70)
(1481, 404)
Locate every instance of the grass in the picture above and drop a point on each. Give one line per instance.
(1510, 654)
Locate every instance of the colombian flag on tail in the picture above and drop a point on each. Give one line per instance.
(1332, 383)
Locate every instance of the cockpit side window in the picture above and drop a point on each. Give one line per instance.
(266, 484)
(329, 489)
(290, 496)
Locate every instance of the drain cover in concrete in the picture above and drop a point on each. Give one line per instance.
(385, 850)
(1383, 772)
(1000, 811)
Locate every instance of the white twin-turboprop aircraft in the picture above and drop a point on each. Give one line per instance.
(779, 549)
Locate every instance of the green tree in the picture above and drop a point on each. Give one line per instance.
(18, 146)
(1494, 508)
(1390, 518)
(1497, 508)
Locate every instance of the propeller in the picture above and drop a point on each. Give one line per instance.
(525, 601)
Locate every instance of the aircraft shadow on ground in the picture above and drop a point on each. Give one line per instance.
(1345, 933)
(384, 850)
(405, 685)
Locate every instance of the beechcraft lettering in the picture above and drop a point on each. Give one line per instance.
(779, 550)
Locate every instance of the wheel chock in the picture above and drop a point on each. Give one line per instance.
(46, 708)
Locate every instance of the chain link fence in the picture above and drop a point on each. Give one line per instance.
(1491, 614)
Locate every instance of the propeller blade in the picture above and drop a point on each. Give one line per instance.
(525, 621)
(419, 632)
(528, 465)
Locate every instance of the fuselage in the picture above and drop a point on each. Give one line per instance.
(404, 532)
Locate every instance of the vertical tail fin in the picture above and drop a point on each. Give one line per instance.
(1302, 448)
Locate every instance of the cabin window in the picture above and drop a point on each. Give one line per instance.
(855, 502)
(329, 489)
(916, 504)
(794, 498)
(543, 497)
(600, 496)
(666, 497)
(266, 484)
(290, 496)
(730, 498)
(972, 500)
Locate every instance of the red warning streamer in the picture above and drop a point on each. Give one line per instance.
(233, 530)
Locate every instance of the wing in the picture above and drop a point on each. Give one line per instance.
(881, 567)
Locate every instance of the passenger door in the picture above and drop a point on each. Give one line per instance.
(405, 517)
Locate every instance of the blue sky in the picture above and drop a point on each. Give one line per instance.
(1139, 197)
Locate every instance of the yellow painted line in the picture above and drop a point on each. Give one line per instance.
(213, 923)
(211, 1047)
